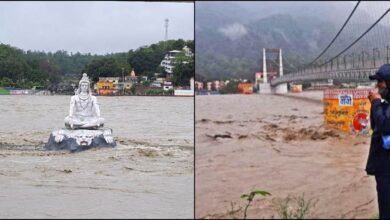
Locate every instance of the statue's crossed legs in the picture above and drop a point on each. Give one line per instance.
(84, 122)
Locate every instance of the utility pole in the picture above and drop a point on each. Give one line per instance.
(166, 29)
(123, 82)
(265, 80)
(166, 33)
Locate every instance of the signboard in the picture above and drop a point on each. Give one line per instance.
(105, 88)
(18, 92)
(184, 92)
(296, 88)
(347, 110)
(245, 88)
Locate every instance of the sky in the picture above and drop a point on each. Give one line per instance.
(92, 27)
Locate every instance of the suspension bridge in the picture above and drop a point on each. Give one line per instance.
(360, 46)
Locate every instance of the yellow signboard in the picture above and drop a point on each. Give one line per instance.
(245, 88)
(296, 88)
(105, 88)
(348, 110)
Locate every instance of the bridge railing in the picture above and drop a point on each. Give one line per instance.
(356, 66)
(349, 74)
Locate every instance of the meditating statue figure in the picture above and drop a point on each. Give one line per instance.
(84, 112)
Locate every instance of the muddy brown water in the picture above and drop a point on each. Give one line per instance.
(277, 144)
(148, 175)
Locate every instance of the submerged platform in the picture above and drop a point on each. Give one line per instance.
(80, 139)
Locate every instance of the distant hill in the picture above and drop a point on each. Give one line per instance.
(230, 35)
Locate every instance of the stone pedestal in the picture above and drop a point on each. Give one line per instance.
(264, 88)
(80, 139)
(281, 89)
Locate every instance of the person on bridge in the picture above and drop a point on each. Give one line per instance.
(378, 163)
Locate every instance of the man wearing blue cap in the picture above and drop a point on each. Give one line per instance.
(378, 162)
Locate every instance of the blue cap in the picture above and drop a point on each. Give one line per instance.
(380, 74)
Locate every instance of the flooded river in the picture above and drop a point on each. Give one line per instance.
(278, 144)
(148, 175)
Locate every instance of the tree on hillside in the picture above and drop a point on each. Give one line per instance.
(146, 60)
(24, 71)
(51, 71)
(179, 44)
(183, 71)
(191, 45)
(43, 68)
(104, 67)
(142, 60)
(200, 77)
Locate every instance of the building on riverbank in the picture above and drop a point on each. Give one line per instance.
(168, 63)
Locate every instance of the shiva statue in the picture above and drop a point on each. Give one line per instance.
(84, 112)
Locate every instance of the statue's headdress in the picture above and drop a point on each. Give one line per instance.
(84, 79)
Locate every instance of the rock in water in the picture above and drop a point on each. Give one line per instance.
(80, 139)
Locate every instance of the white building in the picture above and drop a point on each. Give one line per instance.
(209, 85)
(167, 62)
(167, 86)
(187, 51)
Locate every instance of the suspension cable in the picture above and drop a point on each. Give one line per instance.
(341, 29)
(353, 43)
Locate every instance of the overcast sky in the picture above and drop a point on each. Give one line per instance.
(95, 27)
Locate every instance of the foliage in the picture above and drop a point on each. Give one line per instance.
(249, 198)
(219, 56)
(18, 70)
(183, 71)
(199, 77)
(103, 67)
(146, 83)
(230, 88)
(191, 45)
(145, 60)
(375, 216)
(158, 92)
(68, 64)
(6, 82)
(23, 69)
(132, 90)
(295, 207)
(170, 92)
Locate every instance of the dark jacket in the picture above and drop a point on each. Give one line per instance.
(378, 162)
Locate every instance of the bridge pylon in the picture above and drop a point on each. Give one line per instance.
(281, 88)
(271, 71)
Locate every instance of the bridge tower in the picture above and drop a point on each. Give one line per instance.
(264, 87)
(272, 68)
(264, 67)
(281, 88)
